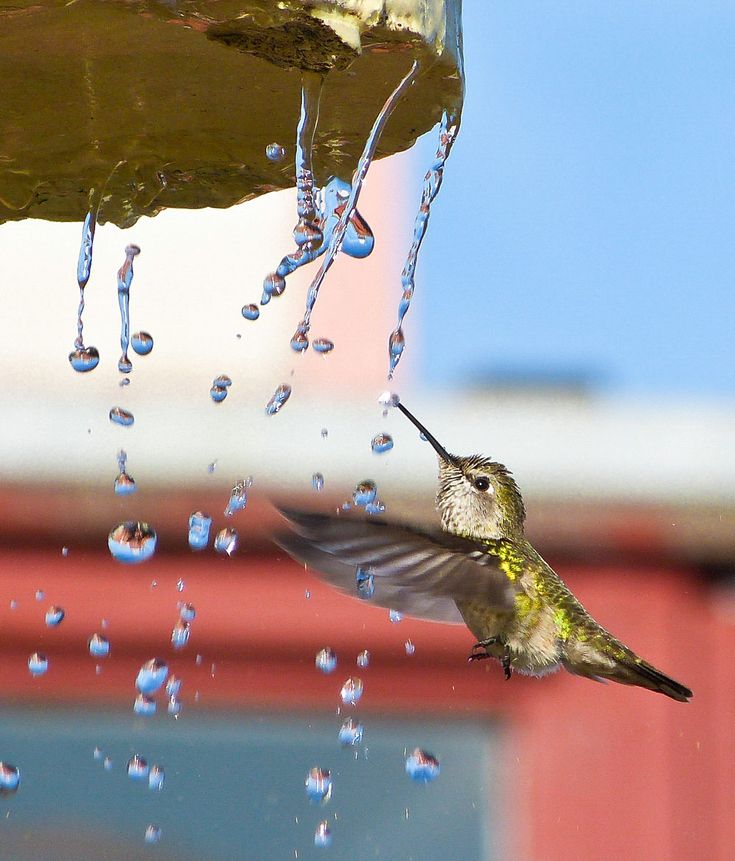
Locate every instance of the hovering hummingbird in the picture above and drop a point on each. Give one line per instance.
(478, 569)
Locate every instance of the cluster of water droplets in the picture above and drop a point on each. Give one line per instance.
(220, 387)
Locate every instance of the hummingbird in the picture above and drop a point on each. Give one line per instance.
(478, 569)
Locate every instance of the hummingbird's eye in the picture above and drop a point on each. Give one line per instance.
(482, 483)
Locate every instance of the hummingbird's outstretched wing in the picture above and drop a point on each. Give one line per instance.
(418, 573)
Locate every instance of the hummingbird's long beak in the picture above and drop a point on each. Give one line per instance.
(435, 444)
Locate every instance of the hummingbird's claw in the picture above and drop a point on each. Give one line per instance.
(484, 652)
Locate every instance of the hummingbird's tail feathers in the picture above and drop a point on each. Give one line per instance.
(626, 668)
(418, 573)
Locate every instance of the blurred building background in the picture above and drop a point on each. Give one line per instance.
(572, 318)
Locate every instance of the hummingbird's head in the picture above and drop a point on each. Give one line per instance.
(477, 497)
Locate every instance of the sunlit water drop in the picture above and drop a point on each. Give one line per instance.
(395, 616)
(156, 778)
(199, 526)
(174, 706)
(124, 483)
(84, 359)
(275, 152)
(37, 664)
(187, 612)
(238, 496)
(319, 785)
(363, 659)
(144, 706)
(226, 541)
(364, 583)
(107, 763)
(280, 396)
(123, 417)
(322, 345)
(250, 312)
(326, 660)
(218, 394)
(153, 834)
(381, 443)
(98, 646)
(137, 768)
(97, 753)
(180, 634)
(422, 767)
(132, 542)
(365, 492)
(351, 691)
(317, 481)
(151, 676)
(173, 686)
(54, 616)
(350, 733)
(376, 507)
(322, 835)
(142, 343)
(409, 647)
(9, 778)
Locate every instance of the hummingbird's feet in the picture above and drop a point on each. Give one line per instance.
(484, 652)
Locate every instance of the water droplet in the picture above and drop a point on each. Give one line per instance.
(99, 646)
(351, 691)
(120, 416)
(364, 583)
(395, 616)
(124, 483)
(238, 496)
(152, 834)
(324, 433)
(381, 442)
(180, 634)
(37, 664)
(363, 659)
(250, 312)
(307, 232)
(365, 492)
(142, 343)
(396, 344)
(350, 733)
(376, 507)
(280, 396)
(300, 340)
(223, 381)
(64, 551)
(410, 647)
(137, 767)
(319, 785)
(174, 706)
(97, 753)
(322, 345)
(180, 585)
(199, 526)
(84, 264)
(9, 778)
(275, 152)
(326, 660)
(322, 835)
(84, 359)
(226, 541)
(173, 686)
(151, 676)
(317, 481)
(124, 381)
(156, 778)
(273, 284)
(211, 467)
(218, 394)
(13, 604)
(40, 594)
(187, 612)
(132, 542)
(107, 763)
(54, 616)
(389, 399)
(144, 706)
(422, 766)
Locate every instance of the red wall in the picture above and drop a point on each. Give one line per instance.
(591, 771)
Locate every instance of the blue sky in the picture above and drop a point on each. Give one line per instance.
(585, 225)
